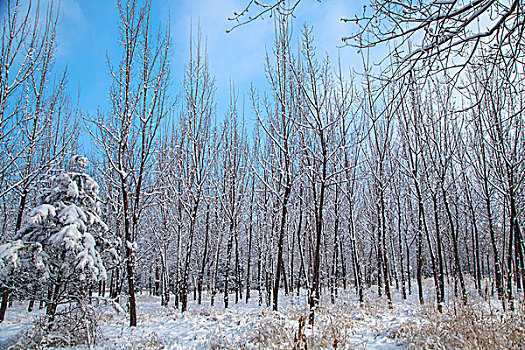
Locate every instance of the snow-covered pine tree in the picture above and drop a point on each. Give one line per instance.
(66, 231)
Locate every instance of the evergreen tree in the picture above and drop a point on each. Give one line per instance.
(59, 246)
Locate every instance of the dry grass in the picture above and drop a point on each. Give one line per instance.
(149, 342)
(347, 324)
(267, 331)
(464, 327)
(75, 325)
(289, 329)
(472, 326)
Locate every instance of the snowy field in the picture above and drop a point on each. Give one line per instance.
(343, 325)
(242, 326)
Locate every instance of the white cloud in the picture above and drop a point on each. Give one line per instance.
(230, 54)
(240, 55)
(328, 29)
(71, 27)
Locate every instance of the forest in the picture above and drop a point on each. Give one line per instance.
(389, 197)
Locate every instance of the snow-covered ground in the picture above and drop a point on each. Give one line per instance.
(242, 326)
(343, 325)
(248, 326)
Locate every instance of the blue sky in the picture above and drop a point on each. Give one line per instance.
(88, 32)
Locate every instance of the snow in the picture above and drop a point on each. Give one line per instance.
(89, 241)
(131, 246)
(346, 324)
(55, 239)
(68, 234)
(242, 326)
(41, 214)
(72, 190)
(16, 322)
(113, 253)
(73, 215)
(91, 185)
(78, 161)
(9, 257)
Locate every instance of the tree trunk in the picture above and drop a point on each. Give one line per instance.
(217, 256)
(454, 238)
(204, 255)
(130, 263)
(333, 282)
(355, 256)
(400, 247)
(315, 288)
(440, 285)
(229, 250)
(3, 306)
(238, 280)
(249, 257)
(280, 244)
(18, 225)
(187, 261)
(382, 243)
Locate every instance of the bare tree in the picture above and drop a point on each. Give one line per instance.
(378, 158)
(439, 28)
(233, 170)
(37, 124)
(128, 134)
(199, 147)
(500, 121)
(318, 143)
(279, 125)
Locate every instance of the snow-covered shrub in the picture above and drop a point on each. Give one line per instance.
(21, 266)
(59, 247)
(66, 224)
(76, 325)
(468, 326)
(149, 342)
